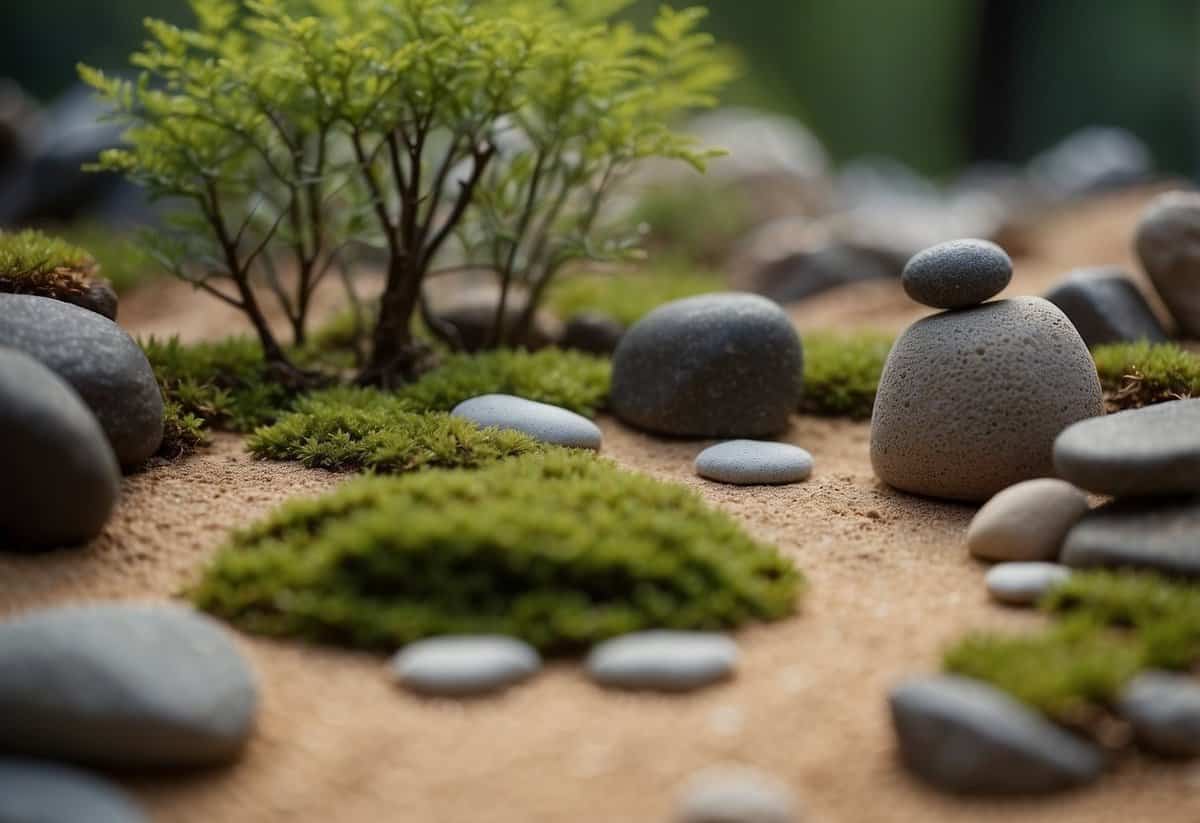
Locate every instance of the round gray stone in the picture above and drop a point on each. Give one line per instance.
(1164, 710)
(1105, 306)
(1168, 243)
(1138, 534)
(736, 794)
(100, 361)
(465, 665)
(61, 480)
(754, 462)
(36, 792)
(124, 685)
(1150, 451)
(1028, 521)
(965, 736)
(1023, 584)
(957, 274)
(663, 660)
(719, 365)
(970, 401)
(541, 421)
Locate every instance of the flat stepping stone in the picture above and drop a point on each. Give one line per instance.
(465, 665)
(754, 462)
(36, 792)
(736, 794)
(1154, 451)
(965, 736)
(122, 685)
(1028, 521)
(1158, 536)
(541, 421)
(1164, 710)
(1023, 584)
(672, 661)
(957, 274)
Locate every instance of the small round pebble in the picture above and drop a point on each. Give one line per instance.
(754, 462)
(736, 794)
(663, 660)
(465, 665)
(32, 791)
(1023, 584)
(1026, 521)
(541, 421)
(957, 274)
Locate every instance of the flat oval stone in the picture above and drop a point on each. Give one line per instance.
(122, 685)
(99, 360)
(61, 480)
(541, 421)
(1164, 710)
(965, 736)
(754, 462)
(465, 665)
(36, 792)
(1150, 451)
(663, 660)
(957, 274)
(1168, 244)
(1161, 536)
(1023, 584)
(736, 794)
(1028, 521)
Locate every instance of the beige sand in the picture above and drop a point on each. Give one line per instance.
(891, 585)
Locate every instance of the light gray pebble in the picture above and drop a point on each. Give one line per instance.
(957, 274)
(465, 665)
(36, 792)
(541, 421)
(736, 794)
(1164, 710)
(754, 462)
(663, 660)
(1023, 584)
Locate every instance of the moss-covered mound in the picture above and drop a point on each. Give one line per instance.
(35, 263)
(1141, 374)
(842, 371)
(560, 549)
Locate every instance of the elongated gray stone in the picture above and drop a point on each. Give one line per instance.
(1159, 536)
(754, 462)
(1023, 584)
(663, 660)
(35, 792)
(957, 274)
(1164, 710)
(541, 421)
(736, 794)
(465, 665)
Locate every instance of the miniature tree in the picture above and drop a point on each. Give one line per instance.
(483, 133)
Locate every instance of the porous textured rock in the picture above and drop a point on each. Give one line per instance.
(466, 665)
(100, 361)
(971, 401)
(663, 660)
(1028, 521)
(965, 736)
(957, 274)
(1139, 534)
(1164, 710)
(1168, 243)
(61, 480)
(1105, 306)
(719, 365)
(35, 792)
(124, 685)
(541, 421)
(1023, 584)
(1153, 451)
(754, 462)
(736, 794)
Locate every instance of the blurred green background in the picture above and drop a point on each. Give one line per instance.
(935, 83)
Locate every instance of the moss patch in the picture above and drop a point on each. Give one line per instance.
(629, 296)
(560, 549)
(1142, 374)
(35, 263)
(842, 371)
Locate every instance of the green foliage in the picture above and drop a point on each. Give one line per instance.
(701, 221)
(627, 296)
(1141, 374)
(35, 263)
(560, 549)
(842, 371)
(123, 261)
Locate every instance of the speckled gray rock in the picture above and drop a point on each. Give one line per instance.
(100, 361)
(1164, 710)
(1105, 306)
(124, 685)
(60, 480)
(1028, 521)
(541, 421)
(36, 792)
(736, 794)
(1154, 451)
(663, 660)
(1161, 536)
(965, 736)
(754, 462)
(957, 274)
(1168, 243)
(465, 665)
(970, 401)
(1023, 584)
(719, 365)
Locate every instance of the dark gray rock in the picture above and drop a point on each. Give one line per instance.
(465, 665)
(1023, 584)
(971, 401)
(1164, 710)
(663, 660)
(957, 274)
(805, 274)
(1168, 243)
(593, 333)
(473, 316)
(754, 462)
(124, 685)
(541, 421)
(100, 361)
(1160, 536)
(719, 365)
(736, 794)
(1106, 307)
(967, 737)
(60, 480)
(36, 792)
(1150, 451)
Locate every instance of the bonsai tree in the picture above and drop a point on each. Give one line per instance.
(298, 134)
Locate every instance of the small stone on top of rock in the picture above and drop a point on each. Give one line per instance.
(957, 274)
(754, 462)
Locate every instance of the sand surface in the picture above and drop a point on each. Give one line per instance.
(891, 585)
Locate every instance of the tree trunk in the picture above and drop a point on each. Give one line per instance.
(396, 357)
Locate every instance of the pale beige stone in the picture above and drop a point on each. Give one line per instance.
(1028, 521)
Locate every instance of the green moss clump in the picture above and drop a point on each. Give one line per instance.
(630, 295)
(1142, 374)
(560, 549)
(35, 263)
(842, 371)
